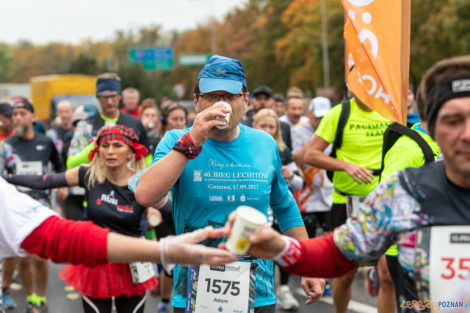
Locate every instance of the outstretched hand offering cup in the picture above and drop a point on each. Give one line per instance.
(265, 242)
(247, 221)
(184, 249)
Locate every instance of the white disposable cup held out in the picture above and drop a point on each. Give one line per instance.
(227, 117)
(247, 221)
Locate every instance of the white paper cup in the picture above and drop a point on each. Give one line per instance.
(227, 117)
(247, 221)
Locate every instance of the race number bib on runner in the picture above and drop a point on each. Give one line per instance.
(77, 191)
(28, 168)
(449, 264)
(141, 271)
(223, 288)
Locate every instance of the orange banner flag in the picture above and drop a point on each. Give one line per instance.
(377, 35)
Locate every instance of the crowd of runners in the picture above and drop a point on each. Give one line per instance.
(342, 187)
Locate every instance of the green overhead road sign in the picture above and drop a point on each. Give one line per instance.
(193, 59)
(154, 59)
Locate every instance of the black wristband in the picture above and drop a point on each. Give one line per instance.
(39, 182)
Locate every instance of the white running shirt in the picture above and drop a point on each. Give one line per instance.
(19, 216)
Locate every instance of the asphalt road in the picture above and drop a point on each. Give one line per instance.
(59, 303)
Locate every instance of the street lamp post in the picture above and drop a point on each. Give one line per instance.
(213, 36)
(213, 26)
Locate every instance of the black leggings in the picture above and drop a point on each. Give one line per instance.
(123, 304)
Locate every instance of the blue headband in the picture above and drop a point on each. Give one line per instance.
(107, 85)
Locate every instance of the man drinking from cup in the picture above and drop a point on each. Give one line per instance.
(211, 171)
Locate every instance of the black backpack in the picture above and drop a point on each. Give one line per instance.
(395, 131)
(343, 118)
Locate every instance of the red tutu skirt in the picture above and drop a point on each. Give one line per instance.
(105, 281)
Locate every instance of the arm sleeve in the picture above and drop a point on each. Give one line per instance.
(321, 258)
(63, 241)
(40, 182)
(387, 212)
(80, 158)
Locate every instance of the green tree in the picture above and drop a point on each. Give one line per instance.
(27, 62)
(150, 84)
(56, 57)
(439, 29)
(300, 49)
(262, 64)
(6, 63)
(84, 64)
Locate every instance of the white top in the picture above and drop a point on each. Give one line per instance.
(286, 120)
(316, 197)
(19, 216)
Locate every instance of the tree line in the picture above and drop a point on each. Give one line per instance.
(278, 41)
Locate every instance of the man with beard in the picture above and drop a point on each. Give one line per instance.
(29, 152)
(425, 211)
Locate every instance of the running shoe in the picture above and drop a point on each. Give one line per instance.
(163, 307)
(31, 308)
(372, 281)
(42, 308)
(286, 299)
(7, 300)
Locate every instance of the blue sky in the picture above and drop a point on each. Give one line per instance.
(71, 21)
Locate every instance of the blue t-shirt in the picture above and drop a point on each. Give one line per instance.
(413, 118)
(227, 174)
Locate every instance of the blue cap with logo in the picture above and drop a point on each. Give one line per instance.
(222, 73)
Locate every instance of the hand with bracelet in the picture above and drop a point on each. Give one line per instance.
(190, 144)
(205, 123)
(286, 251)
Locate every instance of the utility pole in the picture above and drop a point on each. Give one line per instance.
(213, 26)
